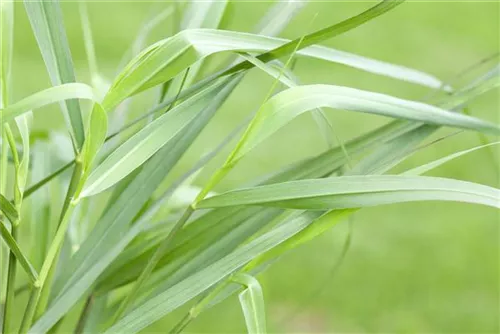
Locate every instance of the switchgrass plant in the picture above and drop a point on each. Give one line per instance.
(152, 249)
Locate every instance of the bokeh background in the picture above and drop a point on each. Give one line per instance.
(411, 268)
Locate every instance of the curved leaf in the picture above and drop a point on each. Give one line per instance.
(355, 192)
(284, 106)
(166, 59)
(46, 97)
(436, 163)
(252, 303)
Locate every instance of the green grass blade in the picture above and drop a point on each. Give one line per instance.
(436, 163)
(285, 106)
(14, 247)
(8, 209)
(46, 97)
(356, 191)
(252, 303)
(47, 25)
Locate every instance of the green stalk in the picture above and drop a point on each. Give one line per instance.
(12, 261)
(198, 308)
(39, 296)
(11, 281)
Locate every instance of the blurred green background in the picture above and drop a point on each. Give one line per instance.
(412, 268)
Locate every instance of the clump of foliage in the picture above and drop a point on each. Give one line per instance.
(151, 250)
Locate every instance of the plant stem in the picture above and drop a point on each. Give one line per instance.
(198, 308)
(40, 296)
(11, 281)
(12, 261)
(30, 308)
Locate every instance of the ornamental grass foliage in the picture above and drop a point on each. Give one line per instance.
(154, 248)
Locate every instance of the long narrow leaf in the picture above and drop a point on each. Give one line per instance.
(436, 163)
(47, 24)
(357, 191)
(46, 97)
(285, 106)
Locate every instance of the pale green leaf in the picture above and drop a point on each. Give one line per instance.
(47, 24)
(46, 97)
(166, 59)
(285, 106)
(252, 303)
(357, 191)
(436, 163)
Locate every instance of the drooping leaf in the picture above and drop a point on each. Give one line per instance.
(283, 107)
(252, 303)
(46, 97)
(47, 24)
(356, 191)
(166, 59)
(324, 125)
